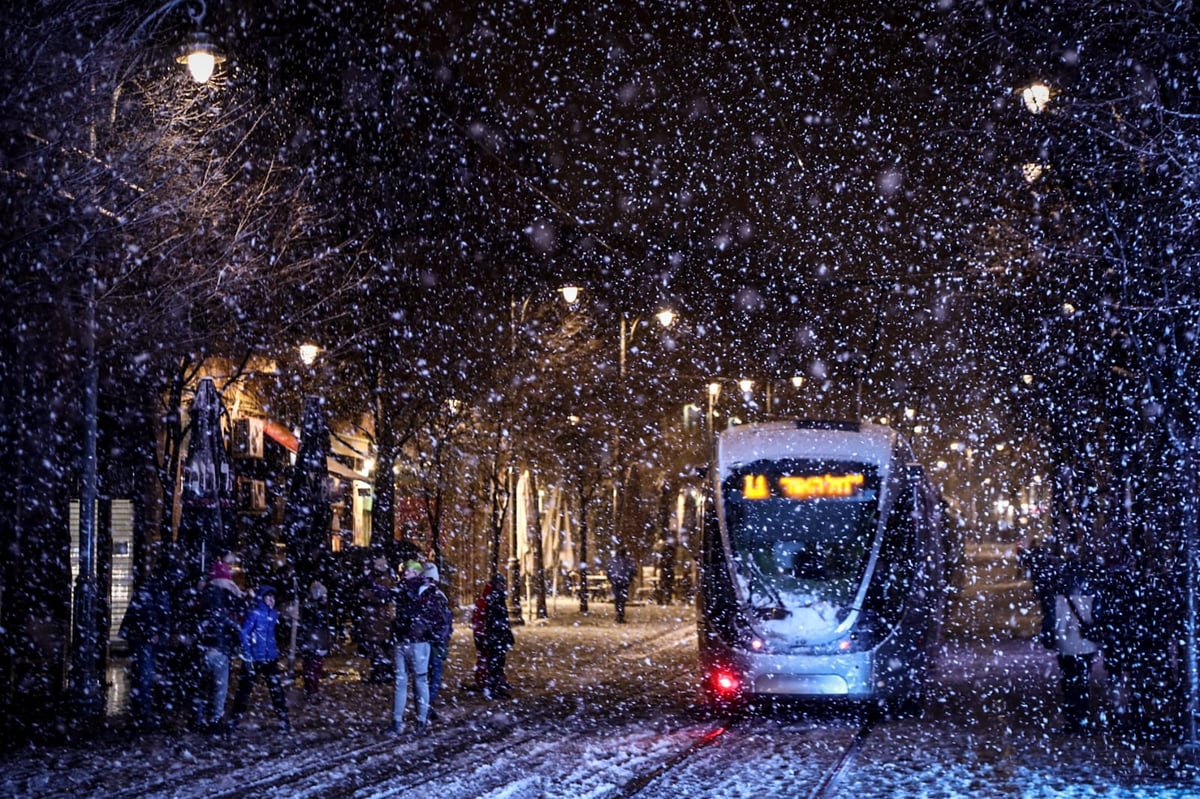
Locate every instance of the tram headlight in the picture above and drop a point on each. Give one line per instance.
(862, 637)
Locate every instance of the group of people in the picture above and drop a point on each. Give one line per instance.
(1086, 612)
(383, 625)
(218, 624)
(403, 630)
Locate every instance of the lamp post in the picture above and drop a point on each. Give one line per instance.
(666, 318)
(87, 691)
(714, 393)
(516, 614)
(85, 688)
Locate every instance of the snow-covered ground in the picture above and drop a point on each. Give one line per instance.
(601, 710)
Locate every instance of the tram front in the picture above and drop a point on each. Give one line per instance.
(807, 562)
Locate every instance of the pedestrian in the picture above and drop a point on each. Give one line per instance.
(260, 658)
(439, 649)
(1044, 566)
(222, 604)
(146, 628)
(1073, 614)
(619, 572)
(315, 638)
(376, 614)
(1122, 630)
(419, 621)
(493, 638)
(478, 633)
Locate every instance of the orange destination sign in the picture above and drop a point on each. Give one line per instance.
(816, 486)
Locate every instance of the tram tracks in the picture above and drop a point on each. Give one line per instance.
(824, 787)
(330, 763)
(832, 778)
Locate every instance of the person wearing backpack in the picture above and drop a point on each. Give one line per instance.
(419, 622)
(1073, 606)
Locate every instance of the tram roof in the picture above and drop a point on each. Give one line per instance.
(863, 442)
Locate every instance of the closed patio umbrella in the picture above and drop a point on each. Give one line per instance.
(207, 498)
(308, 513)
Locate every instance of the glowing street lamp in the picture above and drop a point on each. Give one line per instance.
(1036, 97)
(201, 55)
(309, 353)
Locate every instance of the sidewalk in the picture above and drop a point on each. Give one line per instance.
(345, 666)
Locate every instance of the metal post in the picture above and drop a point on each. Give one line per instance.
(1191, 746)
(86, 687)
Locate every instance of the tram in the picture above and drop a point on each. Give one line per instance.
(822, 566)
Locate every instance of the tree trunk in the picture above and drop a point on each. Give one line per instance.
(583, 549)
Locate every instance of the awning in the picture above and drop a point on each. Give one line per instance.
(286, 439)
(281, 435)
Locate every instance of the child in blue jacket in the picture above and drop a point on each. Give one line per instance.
(260, 657)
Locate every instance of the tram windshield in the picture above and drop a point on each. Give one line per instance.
(801, 530)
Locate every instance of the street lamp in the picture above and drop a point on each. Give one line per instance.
(665, 317)
(309, 353)
(200, 55)
(85, 687)
(1036, 97)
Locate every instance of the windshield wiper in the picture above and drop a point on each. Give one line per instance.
(773, 612)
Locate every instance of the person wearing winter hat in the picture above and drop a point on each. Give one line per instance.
(221, 606)
(316, 636)
(260, 658)
(418, 623)
(439, 648)
(493, 638)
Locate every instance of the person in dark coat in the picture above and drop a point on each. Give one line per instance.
(222, 603)
(420, 618)
(619, 572)
(493, 638)
(260, 658)
(1123, 629)
(146, 627)
(315, 638)
(376, 612)
(1074, 603)
(439, 649)
(1044, 567)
